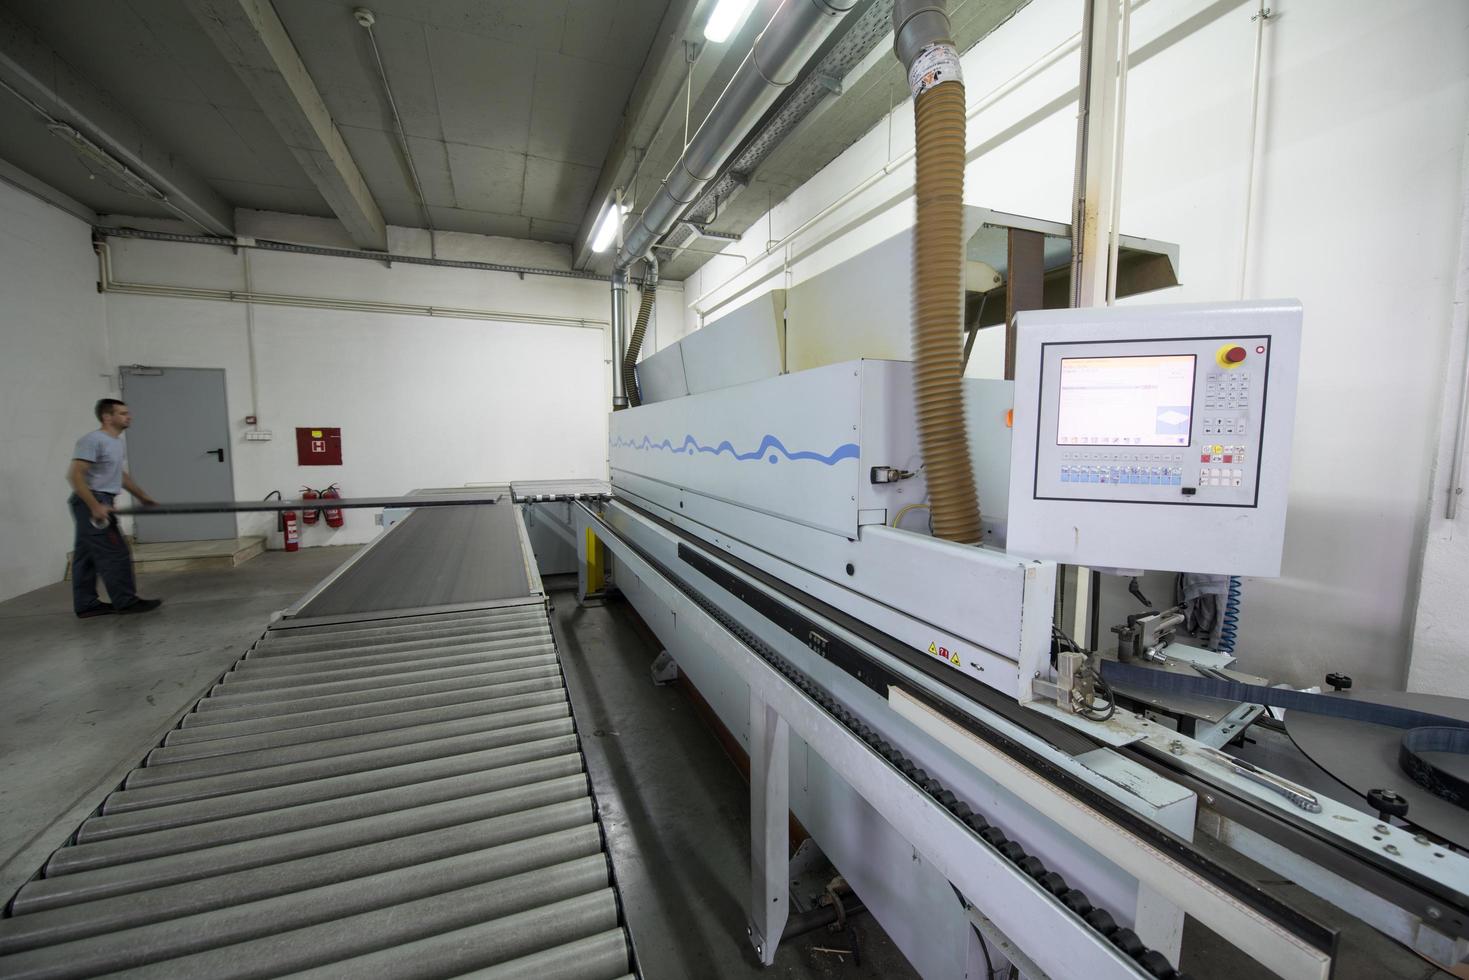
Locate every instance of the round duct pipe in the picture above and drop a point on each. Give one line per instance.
(640, 328)
(921, 41)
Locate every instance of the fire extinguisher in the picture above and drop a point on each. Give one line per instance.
(286, 524)
(309, 514)
(333, 514)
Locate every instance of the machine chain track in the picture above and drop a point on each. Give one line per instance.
(1152, 962)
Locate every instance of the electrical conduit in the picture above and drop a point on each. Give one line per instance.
(923, 45)
(640, 328)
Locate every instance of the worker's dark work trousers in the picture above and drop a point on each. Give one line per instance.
(99, 552)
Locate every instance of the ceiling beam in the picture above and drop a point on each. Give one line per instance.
(39, 76)
(254, 42)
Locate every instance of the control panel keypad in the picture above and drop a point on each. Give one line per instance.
(1135, 469)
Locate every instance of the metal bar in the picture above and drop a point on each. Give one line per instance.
(770, 786)
(297, 725)
(511, 764)
(405, 721)
(481, 944)
(227, 696)
(136, 876)
(502, 757)
(313, 672)
(174, 937)
(603, 955)
(274, 767)
(214, 765)
(511, 916)
(404, 615)
(33, 925)
(305, 649)
(318, 813)
(275, 506)
(269, 709)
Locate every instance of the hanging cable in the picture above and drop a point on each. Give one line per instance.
(366, 18)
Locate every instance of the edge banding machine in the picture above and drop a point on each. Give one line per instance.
(993, 791)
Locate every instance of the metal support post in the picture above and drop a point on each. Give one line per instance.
(770, 846)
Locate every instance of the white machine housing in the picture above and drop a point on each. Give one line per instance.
(1155, 437)
(779, 473)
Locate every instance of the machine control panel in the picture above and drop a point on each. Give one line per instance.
(1164, 421)
(1154, 437)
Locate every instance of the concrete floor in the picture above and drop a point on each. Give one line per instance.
(84, 699)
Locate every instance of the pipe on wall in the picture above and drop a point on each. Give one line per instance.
(922, 43)
(619, 333)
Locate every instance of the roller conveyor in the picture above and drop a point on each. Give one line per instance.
(398, 796)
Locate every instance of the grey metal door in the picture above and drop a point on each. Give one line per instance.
(179, 448)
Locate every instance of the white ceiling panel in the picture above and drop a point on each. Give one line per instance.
(484, 83)
(576, 107)
(486, 179)
(557, 190)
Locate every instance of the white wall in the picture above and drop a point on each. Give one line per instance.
(1440, 652)
(1357, 214)
(52, 366)
(422, 401)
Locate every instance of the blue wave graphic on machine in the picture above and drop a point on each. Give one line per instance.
(769, 445)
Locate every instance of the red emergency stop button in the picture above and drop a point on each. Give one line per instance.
(1230, 356)
(1234, 355)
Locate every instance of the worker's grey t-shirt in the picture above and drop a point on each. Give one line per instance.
(107, 455)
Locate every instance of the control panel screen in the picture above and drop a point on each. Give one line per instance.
(1126, 401)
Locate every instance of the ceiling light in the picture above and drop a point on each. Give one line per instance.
(607, 229)
(726, 17)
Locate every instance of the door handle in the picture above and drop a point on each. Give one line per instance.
(217, 453)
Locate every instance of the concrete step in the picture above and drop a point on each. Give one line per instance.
(182, 556)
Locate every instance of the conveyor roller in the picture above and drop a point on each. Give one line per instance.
(397, 797)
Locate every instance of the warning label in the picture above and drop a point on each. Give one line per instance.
(944, 653)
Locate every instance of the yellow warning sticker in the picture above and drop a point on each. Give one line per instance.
(944, 653)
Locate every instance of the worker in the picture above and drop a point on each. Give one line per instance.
(98, 473)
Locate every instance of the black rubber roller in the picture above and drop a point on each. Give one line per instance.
(962, 811)
(1155, 964)
(1127, 941)
(1076, 901)
(1102, 921)
(977, 823)
(993, 835)
(1054, 884)
(1013, 851)
(1032, 865)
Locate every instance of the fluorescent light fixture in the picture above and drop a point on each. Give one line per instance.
(726, 17)
(607, 230)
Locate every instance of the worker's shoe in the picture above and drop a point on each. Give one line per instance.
(140, 606)
(100, 609)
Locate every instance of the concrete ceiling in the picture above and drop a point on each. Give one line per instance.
(509, 106)
(521, 116)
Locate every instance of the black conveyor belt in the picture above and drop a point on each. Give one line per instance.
(402, 796)
(433, 557)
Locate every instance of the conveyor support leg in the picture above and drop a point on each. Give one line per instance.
(592, 568)
(770, 789)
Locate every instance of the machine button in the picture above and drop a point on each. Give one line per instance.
(1228, 457)
(1231, 356)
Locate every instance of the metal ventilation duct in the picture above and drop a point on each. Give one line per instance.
(866, 32)
(797, 29)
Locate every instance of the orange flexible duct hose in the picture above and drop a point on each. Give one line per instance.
(635, 345)
(938, 355)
